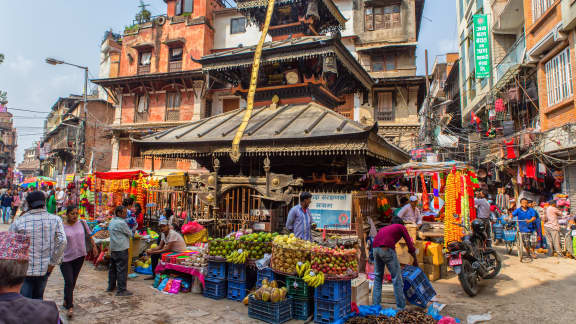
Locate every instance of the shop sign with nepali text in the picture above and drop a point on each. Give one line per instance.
(331, 210)
(481, 46)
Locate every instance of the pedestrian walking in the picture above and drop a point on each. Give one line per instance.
(526, 217)
(79, 244)
(15, 203)
(51, 202)
(6, 201)
(15, 308)
(47, 243)
(385, 256)
(552, 228)
(120, 235)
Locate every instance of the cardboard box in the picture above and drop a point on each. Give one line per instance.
(419, 251)
(433, 253)
(444, 270)
(360, 289)
(388, 298)
(432, 271)
(412, 231)
(404, 256)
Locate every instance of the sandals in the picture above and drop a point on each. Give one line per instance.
(70, 313)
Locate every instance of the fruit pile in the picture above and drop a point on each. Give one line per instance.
(221, 246)
(334, 262)
(237, 257)
(287, 251)
(257, 244)
(269, 292)
(313, 279)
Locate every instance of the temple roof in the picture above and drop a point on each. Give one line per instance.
(286, 50)
(305, 129)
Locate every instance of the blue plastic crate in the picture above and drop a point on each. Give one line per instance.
(237, 290)
(333, 290)
(417, 287)
(216, 270)
(326, 312)
(302, 308)
(237, 272)
(509, 235)
(498, 230)
(273, 313)
(214, 288)
(267, 274)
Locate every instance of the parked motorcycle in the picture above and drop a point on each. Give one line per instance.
(472, 259)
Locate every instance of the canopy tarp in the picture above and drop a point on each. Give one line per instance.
(120, 175)
(414, 168)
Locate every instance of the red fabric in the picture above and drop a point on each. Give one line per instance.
(119, 175)
(425, 198)
(510, 152)
(459, 197)
(140, 221)
(530, 170)
(499, 105)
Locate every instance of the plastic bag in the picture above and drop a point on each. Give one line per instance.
(175, 287)
(191, 228)
(157, 280)
(264, 263)
(168, 285)
(472, 319)
(390, 312)
(447, 320)
(163, 284)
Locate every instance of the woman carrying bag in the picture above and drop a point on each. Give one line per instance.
(80, 244)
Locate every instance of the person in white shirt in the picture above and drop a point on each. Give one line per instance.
(60, 198)
(410, 212)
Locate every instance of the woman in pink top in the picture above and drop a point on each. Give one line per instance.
(74, 254)
(552, 228)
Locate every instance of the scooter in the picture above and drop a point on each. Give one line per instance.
(472, 259)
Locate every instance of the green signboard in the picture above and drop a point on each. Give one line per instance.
(481, 46)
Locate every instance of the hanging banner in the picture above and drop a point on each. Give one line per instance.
(481, 46)
(331, 209)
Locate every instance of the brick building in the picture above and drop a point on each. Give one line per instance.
(60, 141)
(30, 165)
(8, 145)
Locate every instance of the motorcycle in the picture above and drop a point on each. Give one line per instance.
(472, 259)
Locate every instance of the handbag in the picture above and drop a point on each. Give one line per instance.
(87, 238)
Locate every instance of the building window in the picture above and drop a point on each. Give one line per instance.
(142, 104)
(539, 7)
(176, 54)
(237, 25)
(385, 108)
(381, 64)
(173, 100)
(559, 78)
(184, 6)
(382, 17)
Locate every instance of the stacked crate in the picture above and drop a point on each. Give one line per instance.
(237, 283)
(215, 282)
(302, 297)
(332, 301)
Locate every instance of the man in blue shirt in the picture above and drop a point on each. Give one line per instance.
(299, 218)
(526, 217)
(120, 235)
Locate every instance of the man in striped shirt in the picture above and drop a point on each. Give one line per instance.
(47, 243)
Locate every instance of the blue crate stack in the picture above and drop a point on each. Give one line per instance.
(332, 301)
(267, 274)
(237, 284)
(273, 313)
(215, 285)
(417, 287)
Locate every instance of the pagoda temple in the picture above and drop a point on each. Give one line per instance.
(294, 140)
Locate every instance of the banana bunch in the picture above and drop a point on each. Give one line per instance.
(237, 257)
(302, 268)
(314, 279)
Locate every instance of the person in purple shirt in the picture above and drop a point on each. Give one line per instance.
(299, 218)
(385, 256)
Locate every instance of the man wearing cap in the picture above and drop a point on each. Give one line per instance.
(170, 241)
(120, 235)
(47, 243)
(410, 212)
(299, 218)
(15, 308)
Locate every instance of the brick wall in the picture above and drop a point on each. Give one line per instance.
(501, 45)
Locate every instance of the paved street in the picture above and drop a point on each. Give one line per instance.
(537, 292)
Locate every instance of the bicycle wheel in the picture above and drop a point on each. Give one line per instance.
(520, 245)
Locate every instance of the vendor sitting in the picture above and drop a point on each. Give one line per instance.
(410, 212)
(170, 241)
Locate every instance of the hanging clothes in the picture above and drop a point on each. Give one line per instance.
(510, 150)
(530, 169)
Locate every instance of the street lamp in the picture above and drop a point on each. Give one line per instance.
(81, 134)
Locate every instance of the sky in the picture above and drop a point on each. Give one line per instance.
(33, 30)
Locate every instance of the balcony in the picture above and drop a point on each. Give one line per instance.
(143, 69)
(168, 163)
(137, 162)
(175, 66)
(513, 57)
(508, 17)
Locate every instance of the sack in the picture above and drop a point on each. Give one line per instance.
(87, 237)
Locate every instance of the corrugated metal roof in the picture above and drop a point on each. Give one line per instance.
(285, 122)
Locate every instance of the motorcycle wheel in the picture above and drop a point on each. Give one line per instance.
(468, 279)
(497, 260)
